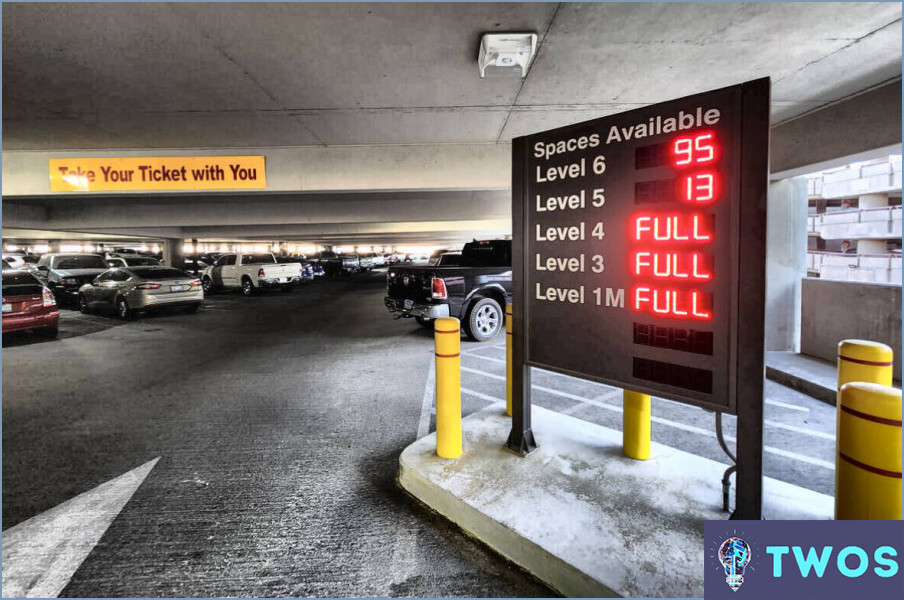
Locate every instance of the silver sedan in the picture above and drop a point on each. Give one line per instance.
(132, 289)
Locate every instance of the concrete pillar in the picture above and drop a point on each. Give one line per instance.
(873, 200)
(53, 246)
(172, 253)
(786, 262)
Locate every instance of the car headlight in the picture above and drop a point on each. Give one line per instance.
(69, 281)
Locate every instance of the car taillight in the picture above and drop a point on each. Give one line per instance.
(260, 272)
(148, 286)
(196, 283)
(439, 289)
(49, 300)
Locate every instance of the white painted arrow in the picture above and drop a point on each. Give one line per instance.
(41, 555)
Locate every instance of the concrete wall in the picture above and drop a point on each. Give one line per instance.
(786, 261)
(836, 310)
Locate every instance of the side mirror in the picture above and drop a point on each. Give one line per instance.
(43, 268)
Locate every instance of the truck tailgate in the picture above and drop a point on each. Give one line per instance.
(410, 283)
(282, 270)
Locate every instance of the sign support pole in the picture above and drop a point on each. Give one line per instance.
(752, 301)
(521, 439)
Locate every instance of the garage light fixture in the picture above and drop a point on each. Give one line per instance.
(506, 53)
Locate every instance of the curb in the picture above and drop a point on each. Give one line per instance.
(804, 386)
(548, 568)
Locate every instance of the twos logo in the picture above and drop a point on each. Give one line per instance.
(803, 559)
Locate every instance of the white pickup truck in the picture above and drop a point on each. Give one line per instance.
(250, 272)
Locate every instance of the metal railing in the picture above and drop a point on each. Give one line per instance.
(875, 268)
(886, 214)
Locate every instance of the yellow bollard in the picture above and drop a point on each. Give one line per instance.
(508, 359)
(861, 360)
(447, 338)
(868, 456)
(636, 426)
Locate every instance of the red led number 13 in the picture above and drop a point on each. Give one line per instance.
(699, 188)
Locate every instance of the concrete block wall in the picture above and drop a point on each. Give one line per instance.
(832, 311)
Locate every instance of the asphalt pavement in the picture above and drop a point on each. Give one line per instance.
(278, 421)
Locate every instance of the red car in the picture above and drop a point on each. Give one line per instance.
(27, 304)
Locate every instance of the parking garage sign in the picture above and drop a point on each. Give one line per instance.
(157, 173)
(642, 237)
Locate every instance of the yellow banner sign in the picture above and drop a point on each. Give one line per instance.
(157, 173)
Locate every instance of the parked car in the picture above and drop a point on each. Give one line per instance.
(436, 254)
(28, 305)
(307, 271)
(130, 290)
(317, 269)
(365, 262)
(446, 259)
(350, 263)
(15, 260)
(250, 272)
(475, 292)
(329, 261)
(64, 274)
(190, 266)
(132, 261)
(379, 259)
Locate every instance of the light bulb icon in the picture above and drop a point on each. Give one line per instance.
(734, 554)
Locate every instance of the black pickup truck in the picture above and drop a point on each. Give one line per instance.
(476, 291)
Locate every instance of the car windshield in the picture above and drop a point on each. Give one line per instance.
(21, 284)
(87, 261)
(161, 273)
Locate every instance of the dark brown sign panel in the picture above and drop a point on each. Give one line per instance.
(633, 236)
(639, 244)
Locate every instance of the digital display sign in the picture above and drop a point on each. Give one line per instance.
(631, 234)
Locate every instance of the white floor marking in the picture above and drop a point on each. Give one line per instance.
(423, 424)
(803, 430)
(482, 357)
(481, 396)
(41, 555)
(673, 424)
(785, 405)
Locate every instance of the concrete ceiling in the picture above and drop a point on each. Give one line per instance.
(110, 76)
(156, 75)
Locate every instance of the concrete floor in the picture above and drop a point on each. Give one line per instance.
(799, 431)
(278, 421)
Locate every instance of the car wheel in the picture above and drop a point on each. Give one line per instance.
(83, 304)
(122, 309)
(207, 284)
(484, 320)
(247, 287)
(424, 322)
